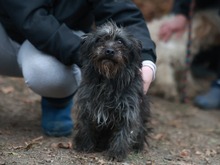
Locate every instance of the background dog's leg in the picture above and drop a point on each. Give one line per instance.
(166, 83)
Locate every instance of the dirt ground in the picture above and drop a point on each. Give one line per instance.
(183, 134)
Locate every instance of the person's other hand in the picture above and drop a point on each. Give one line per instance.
(147, 76)
(176, 25)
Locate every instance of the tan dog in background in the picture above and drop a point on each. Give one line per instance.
(171, 55)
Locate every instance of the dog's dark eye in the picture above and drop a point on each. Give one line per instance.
(98, 40)
(119, 42)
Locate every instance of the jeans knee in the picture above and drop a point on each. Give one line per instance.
(47, 85)
(44, 74)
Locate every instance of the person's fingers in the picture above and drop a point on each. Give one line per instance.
(162, 30)
(146, 87)
(179, 34)
(167, 35)
(147, 76)
(165, 32)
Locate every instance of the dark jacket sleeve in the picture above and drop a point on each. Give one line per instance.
(182, 7)
(126, 13)
(42, 29)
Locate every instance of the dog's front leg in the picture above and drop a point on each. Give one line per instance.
(119, 144)
(84, 138)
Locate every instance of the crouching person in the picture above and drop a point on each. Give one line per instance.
(39, 41)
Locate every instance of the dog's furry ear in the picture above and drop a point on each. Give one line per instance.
(136, 49)
(84, 37)
(139, 45)
(86, 44)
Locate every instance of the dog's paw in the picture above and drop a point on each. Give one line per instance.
(138, 147)
(83, 144)
(84, 148)
(171, 94)
(115, 156)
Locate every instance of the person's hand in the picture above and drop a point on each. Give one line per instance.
(176, 25)
(147, 76)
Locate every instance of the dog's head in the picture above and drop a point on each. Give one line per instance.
(110, 49)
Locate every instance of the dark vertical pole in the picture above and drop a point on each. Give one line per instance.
(184, 97)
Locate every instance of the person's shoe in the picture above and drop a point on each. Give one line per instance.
(210, 100)
(199, 71)
(56, 116)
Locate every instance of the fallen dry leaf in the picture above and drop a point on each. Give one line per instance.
(198, 153)
(28, 101)
(38, 138)
(175, 123)
(207, 160)
(149, 162)
(184, 153)
(7, 90)
(29, 146)
(34, 141)
(159, 136)
(101, 161)
(64, 145)
(210, 152)
(13, 153)
(17, 147)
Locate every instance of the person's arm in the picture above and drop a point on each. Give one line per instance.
(181, 7)
(176, 25)
(126, 14)
(42, 29)
(179, 22)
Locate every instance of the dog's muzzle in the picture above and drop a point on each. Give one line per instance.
(109, 52)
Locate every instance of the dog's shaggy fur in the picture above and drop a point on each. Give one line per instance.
(112, 110)
(171, 55)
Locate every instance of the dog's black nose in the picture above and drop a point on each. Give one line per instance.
(109, 51)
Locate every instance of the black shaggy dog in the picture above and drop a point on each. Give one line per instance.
(112, 109)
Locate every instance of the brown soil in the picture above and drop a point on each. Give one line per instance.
(183, 134)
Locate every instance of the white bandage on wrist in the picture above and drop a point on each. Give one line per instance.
(151, 65)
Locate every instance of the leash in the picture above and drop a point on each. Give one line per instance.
(184, 98)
